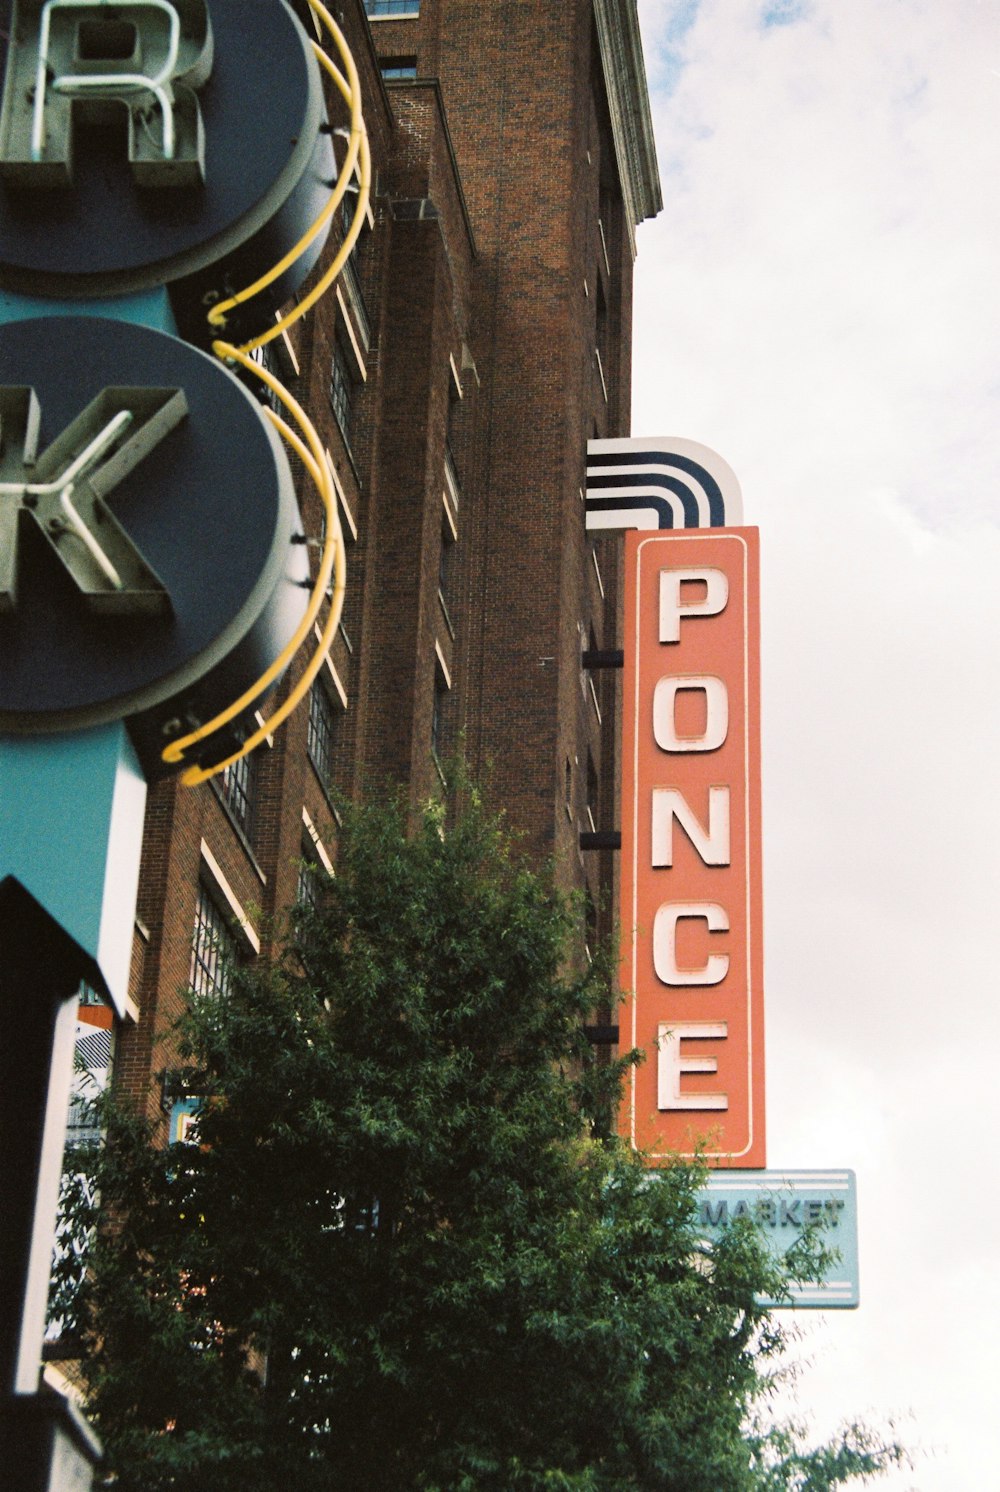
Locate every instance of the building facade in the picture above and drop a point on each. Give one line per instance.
(477, 338)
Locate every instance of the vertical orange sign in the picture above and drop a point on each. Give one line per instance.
(692, 957)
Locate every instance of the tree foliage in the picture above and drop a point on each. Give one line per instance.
(395, 1257)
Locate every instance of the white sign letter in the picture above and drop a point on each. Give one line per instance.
(669, 803)
(142, 61)
(716, 713)
(665, 942)
(672, 607)
(672, 1063)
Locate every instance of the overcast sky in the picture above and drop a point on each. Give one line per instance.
(818, 302)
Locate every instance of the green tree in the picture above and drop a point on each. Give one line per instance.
(395, 1258)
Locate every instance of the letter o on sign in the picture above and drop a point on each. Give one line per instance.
(665, 713)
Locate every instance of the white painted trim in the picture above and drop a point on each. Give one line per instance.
(345, 506)
(445, 670)
(352, 335)
(261, 721)
(454, 374)
(600, 369)
(318, 844)
(597, 572)
(593, 699)
(604, 246)
(286, 343)
(450, 517)
(334, 675)
(222, 886)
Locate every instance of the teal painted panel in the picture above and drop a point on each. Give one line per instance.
(147, 308)
(785, 1203)
(71, 816)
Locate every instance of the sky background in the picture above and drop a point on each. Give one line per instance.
(818, 302)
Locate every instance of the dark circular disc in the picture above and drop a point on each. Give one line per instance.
(210, 507)
(262, 109)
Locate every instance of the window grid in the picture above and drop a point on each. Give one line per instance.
(451, 477)
(237, 786)
(437, 714)
(404, 68)
(264, 358)
(213, 948)
(308, 889)
(341, 389)
(321, 731)
(392, 7)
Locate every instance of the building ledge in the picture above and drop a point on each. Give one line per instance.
(628, 104)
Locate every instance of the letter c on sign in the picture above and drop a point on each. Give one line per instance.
(665, 707)
(665, 942)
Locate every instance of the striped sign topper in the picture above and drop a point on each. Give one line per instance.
(661, 482)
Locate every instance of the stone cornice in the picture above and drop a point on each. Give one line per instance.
(617, 25)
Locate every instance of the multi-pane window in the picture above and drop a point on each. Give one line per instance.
(589, 922)
(593, 790)
(341, 388)
(264, 358)
(392, 7)
(444, 572)
(403, 68)
(438, 713)
(237, 787)
(321, 731)
(214, 948)
(309, 884)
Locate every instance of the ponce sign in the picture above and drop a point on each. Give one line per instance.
(691, 879)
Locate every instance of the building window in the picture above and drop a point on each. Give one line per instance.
(214, 948)
(265, 358)
(589, 923)
(237, 787)
(593, 793)
(321, 731)
(341, 388)
(438, 712)
(392, 7)
(309, 888)
(403, 68)
(95, 1044)
(444, 572)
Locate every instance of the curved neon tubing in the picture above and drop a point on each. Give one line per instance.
(350, 239)
(322, 286)
(350, 90)
(195, 775)
(333, 558)
(333, 551)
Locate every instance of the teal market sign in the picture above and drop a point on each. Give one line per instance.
(784, 1204)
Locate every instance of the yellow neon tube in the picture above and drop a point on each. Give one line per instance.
(350, 89)
(333, 557)
(333, 554)
(350, 239)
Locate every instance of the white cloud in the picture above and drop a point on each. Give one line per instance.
(819, 303)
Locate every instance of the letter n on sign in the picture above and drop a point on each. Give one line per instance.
(692, 955)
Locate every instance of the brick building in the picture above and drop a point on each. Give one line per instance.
(478, 337)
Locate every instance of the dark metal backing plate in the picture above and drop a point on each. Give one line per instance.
(211, 509)
(261, 113)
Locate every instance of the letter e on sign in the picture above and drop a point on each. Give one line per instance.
(691, 956)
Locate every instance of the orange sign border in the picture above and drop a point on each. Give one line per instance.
(741, 1130)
